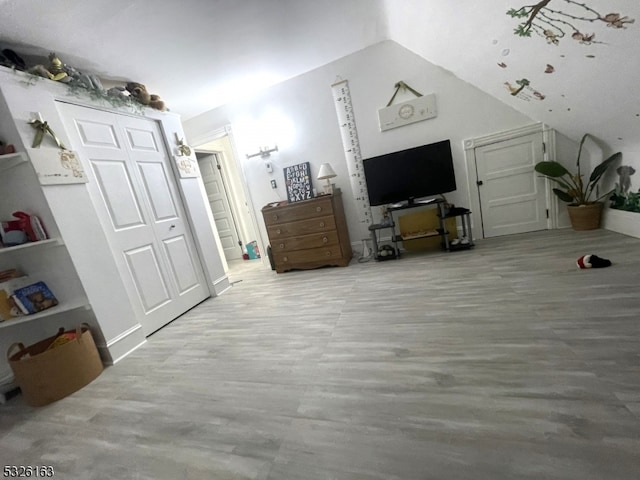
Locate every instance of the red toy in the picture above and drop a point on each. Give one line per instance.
(29, 224)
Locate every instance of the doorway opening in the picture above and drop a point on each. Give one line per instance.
(226, 191)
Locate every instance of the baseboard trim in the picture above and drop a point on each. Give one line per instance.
(620, 221)
(221, 285)
(122, 345)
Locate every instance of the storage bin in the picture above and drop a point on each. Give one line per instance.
(47, 375)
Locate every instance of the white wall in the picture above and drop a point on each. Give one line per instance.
(299, 116)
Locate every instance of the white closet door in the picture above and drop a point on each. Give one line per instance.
(141, 210)
(512, 194)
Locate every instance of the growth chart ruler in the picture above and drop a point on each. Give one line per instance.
(351, 144)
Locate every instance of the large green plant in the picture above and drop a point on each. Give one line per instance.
(573, 189)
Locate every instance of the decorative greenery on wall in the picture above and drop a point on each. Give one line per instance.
(554, 25)
(555, 20)
(86, 92)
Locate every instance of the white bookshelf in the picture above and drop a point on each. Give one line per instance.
(49, 242)
(44, 260)
(60, 308)
(11, 160)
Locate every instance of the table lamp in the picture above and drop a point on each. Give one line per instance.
(326, 173)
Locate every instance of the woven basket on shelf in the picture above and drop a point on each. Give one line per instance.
(585, 217)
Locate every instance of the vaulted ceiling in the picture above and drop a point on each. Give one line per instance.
(571, 64)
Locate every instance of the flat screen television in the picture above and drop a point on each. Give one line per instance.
(408, 175)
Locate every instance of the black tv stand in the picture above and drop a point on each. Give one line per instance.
(443, 214)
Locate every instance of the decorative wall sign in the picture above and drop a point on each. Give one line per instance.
(297, 178)
(187, 166)
(416, 110)
(55, 167)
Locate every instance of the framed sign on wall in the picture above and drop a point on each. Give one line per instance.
(297, 178)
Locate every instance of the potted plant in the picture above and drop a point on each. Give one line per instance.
(584, 210)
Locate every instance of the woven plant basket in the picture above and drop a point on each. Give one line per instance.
(585, 217)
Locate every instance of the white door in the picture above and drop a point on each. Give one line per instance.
(141, 211)
(211, 171)
(512, 194)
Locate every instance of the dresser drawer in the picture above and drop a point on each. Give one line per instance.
(324, 254)
(314, 208)
(305, 241)
(301, 227)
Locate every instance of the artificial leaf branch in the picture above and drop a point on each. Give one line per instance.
(554, 24)
(42, 127)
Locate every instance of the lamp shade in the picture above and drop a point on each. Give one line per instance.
(326, 172)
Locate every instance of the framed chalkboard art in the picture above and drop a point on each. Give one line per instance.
(297, 178)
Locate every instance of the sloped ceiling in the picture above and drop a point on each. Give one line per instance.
(573, 66)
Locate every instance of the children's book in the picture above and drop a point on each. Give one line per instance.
(34, 298)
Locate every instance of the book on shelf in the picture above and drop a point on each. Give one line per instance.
(34, 298)
(9, 274)
(10, 280)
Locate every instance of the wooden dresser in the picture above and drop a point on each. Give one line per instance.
(308, 234)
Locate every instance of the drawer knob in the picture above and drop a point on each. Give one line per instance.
(278, 231)
(321, 224)
(318, 209)
(325, 239)
(275, 217)
(285, 259)
(328, 254)
(282, 245)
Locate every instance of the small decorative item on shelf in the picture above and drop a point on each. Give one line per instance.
(13, 238)
(6, 149)
(386, 252)
(447, 207)
(386, 218)
(27, 228)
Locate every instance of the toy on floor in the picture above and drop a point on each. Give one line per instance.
(592, 261)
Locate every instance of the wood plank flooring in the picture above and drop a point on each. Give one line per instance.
(501, 362)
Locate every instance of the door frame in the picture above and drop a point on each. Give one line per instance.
(470, 145)
(253, 228)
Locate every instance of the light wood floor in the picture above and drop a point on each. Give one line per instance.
(502, 362)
